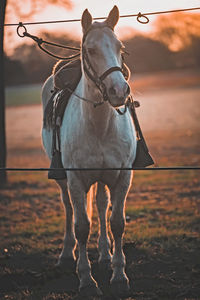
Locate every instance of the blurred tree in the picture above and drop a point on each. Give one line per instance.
(14, 72)
(26, 9)
(147, 55)
(194, 49)
(22, 9)
(33, 65)
(178, 30)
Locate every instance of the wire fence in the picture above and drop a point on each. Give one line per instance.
(139, 16)
(103, 169)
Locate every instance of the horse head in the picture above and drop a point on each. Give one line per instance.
(102, 58)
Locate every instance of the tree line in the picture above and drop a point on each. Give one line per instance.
(29, 64)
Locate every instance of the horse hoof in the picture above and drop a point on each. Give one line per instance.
(120, 289)
(66, 264)
(90, 291)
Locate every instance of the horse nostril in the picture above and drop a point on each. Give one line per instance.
(112, 91)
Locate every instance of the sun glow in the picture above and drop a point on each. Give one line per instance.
(126, 26)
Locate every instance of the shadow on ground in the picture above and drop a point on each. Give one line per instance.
(156, 274)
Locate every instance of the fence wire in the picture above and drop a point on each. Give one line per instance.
(138, 15)
(102, 169)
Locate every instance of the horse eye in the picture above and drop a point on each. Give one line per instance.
(91, 51)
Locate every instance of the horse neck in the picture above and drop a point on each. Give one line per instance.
(99, 117)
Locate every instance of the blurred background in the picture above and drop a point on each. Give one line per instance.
(168, 42)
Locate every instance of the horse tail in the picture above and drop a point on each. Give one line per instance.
(90, 197)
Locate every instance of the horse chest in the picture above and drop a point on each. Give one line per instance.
(98, 153)
(88, 144)
(84, 147)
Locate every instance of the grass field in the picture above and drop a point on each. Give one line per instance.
(161, 241)
(162, 234)
(23, 95)
(31, 94)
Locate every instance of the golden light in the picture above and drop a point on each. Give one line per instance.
(126, 26)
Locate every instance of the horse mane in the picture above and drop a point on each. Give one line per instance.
(58, 66)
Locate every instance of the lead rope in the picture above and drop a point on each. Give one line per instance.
(40, 41)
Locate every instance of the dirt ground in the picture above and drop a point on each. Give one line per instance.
(161, 241)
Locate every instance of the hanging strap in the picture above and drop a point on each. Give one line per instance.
(137, 124)
(143, 157)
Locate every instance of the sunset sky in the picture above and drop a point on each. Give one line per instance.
(97, 9)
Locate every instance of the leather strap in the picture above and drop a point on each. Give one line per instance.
(112, 69)
(91, 73)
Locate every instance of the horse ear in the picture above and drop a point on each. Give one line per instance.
(86, 20)
(113, 17)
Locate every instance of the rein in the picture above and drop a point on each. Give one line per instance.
(92, 74)
(97, 80)
(40, 42)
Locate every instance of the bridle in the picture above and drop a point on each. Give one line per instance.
(92, 74)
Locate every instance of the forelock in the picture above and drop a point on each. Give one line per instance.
(96, 25)
(101, 25)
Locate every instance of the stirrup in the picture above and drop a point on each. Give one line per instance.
(143, 157)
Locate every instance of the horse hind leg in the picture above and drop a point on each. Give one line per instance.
(119, 280)
(67, 257)
(102, 199)
(105, 270)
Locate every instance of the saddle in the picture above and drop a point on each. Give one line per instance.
(66, 77)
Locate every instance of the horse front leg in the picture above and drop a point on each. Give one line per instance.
(67, 256)
(119, 280)
(88, 286)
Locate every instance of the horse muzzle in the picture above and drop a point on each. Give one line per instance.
(118, 94)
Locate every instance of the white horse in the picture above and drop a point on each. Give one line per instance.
(96, 137)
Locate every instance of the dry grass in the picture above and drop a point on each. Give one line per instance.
(161, 239)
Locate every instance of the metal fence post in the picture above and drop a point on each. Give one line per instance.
(3, 176)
